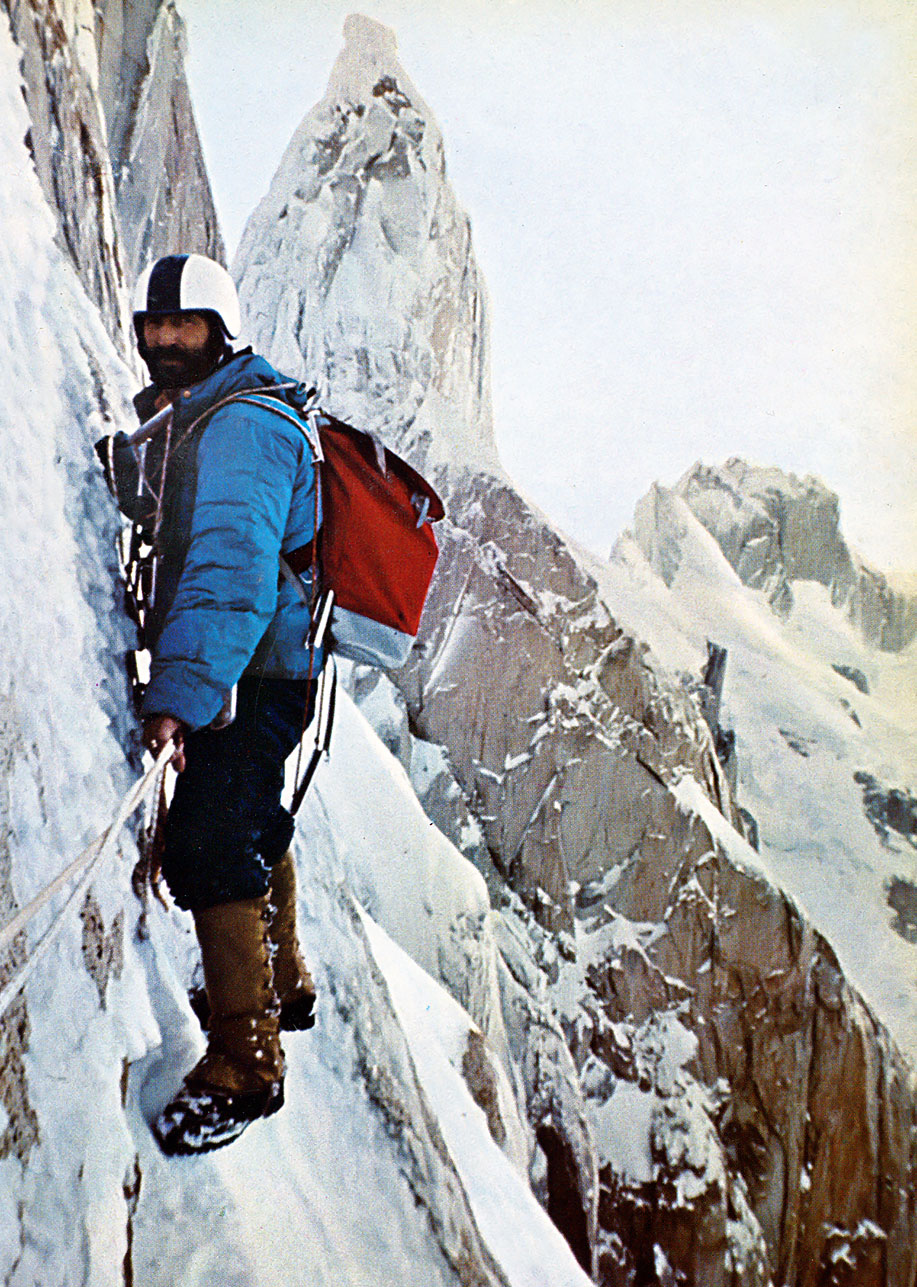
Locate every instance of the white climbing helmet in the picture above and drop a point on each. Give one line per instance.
(188, 284)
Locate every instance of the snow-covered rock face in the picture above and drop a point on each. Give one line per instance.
(63, 730)
(357, 270)
(164, 198)
(655, 967)
(67, 139)
(113, 139)
(710, 1099)
(775, 529)
(824, 724)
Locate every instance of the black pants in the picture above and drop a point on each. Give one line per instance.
(226, 827)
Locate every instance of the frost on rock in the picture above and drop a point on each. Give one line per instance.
(357, 270)
(66, 136)
(113, 139)
(164, 197)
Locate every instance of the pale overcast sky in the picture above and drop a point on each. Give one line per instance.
(698, 225)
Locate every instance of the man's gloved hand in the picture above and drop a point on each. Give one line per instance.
(156, 732)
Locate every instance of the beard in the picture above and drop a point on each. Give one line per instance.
(172, 366)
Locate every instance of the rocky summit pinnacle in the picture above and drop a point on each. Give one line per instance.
(368, 42)
(368, 68)
(357, 270)
(776, 530)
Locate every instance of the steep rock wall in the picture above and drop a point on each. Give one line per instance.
(821, 1116)
(568, 742)
(113, 139)
(66, 136)
(164, 197)
(64, 730)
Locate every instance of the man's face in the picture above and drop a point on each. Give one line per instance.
(181, 348)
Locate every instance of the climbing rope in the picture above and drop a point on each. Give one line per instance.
(146, 878)
(88, 861)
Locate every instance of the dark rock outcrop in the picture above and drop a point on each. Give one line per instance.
(163, 191)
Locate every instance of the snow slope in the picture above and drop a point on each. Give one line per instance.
(334, 1166)
(437, 1032)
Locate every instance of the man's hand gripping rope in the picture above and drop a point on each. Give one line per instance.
(160, 729)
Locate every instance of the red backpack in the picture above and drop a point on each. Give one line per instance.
(375, 553)
(376, 549)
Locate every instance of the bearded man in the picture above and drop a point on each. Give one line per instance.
(221, 491)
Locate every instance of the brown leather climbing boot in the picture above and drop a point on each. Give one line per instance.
(292, 980)
(240, 1077)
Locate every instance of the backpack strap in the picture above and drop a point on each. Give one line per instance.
(320, 608)
(307, 427)
(323, 727)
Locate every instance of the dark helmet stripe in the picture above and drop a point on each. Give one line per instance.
(164, 291)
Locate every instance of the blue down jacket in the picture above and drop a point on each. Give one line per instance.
(239, 490)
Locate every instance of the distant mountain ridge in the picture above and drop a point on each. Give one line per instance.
(774, 529)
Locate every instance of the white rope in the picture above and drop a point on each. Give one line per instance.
(91, 858)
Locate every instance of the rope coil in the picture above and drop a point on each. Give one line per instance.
(87, 863)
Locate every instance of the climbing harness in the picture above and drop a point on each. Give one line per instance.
(85, 866)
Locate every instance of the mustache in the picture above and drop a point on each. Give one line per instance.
(170, 353)
(171, 365)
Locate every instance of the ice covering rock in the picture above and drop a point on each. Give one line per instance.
(357, 269)
(113, 138)
(66, 135)
(163, 190)
(680, 1031)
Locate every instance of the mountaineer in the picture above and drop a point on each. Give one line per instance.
(220, 493)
